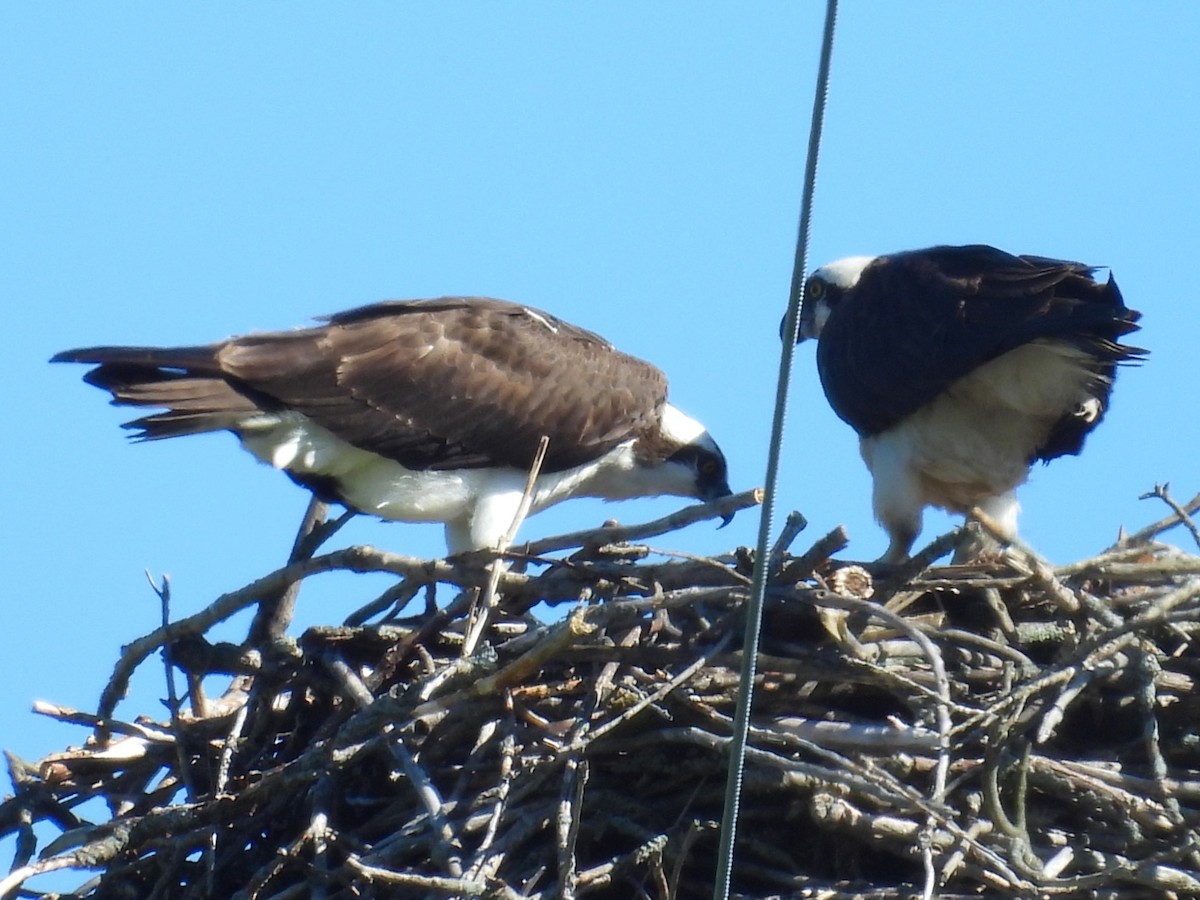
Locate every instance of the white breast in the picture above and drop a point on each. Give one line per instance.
(975, 440)
(477, 505)
(371, 483)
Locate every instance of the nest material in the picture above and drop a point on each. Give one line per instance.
(996, 729)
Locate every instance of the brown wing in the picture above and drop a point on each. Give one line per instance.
(448, 383)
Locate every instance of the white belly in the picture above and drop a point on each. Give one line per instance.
(477, 505)
(367, 482)
(976, 440)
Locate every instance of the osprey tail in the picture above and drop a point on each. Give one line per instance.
(185, 381)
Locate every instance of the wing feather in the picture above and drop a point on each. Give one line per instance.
(455, 382)
(917, 322)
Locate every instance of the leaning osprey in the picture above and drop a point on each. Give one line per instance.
(960, 366)
(428, 410)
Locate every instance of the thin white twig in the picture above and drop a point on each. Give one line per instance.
(481, 610)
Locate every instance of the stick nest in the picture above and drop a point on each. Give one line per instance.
(1001, 728)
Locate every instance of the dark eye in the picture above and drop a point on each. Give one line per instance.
(815, 289)
(708, 467)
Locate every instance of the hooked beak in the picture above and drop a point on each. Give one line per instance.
(803, 327)
(716, 493)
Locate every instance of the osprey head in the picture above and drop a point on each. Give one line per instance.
(825, 288)
(688, 457)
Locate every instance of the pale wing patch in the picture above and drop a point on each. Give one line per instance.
(538, 317)
(480, 497)
(369, 482)
(1042, 378)
(975, 441)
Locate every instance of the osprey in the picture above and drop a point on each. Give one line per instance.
(961, 366)
(428, 410)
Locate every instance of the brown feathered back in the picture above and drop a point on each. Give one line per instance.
(456, 382)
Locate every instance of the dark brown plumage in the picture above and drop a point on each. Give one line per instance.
(916, 322)
(388, 378)
(961, 366)
(427, 410)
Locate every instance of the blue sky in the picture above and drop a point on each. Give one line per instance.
(177, 173)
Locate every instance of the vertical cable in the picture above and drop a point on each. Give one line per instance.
(741, 720)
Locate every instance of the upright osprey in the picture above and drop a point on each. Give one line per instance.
(960, 366)
(428, 410)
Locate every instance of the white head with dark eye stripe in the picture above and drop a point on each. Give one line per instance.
(684, 448)
(825, 288)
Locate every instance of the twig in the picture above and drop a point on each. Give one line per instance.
(568, 822)
(1163, 492)
(616, 534)
(913, 737)
(447, 886)
(447, 848)
(181, 753)
(507, 753)
(481, 610)
(801, 567)
(275, 610)
(792, 526)
(1178, 514)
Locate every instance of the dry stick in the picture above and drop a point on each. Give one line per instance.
(20, 875)
(1179, 514)
(462, 572)
(275, 611)
(229, 746)
(527, 822)
(792, 526)
(1158, 612)
(451, 887)
(1101, 561)
(844, 775)
(398, 596)
(927, 556)
(358, 735)
(257, 882)
(558, 639)
(1162, 491)
(798, 568)
(480, 614)
(164, 598)
(181, 752)
(1147, 667)
(1039, 567)
(319, 834)
(224, 762)
(942, 708)
(1121, 790)
(933, 654)
(663, 690)
(76, 717)
(604, 874)
(430, 798)
(582, 742)
(1158, 571)
(568, 822)
(616, 534)
(695, 830)
(570, 811)
(354, 559)
(507, 753)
